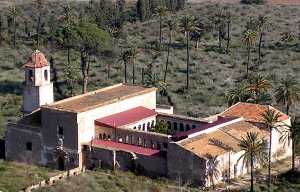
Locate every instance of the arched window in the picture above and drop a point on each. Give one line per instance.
(152, 123)
(134, 127)
(100, 136)
(148, 125)
(187, 127)
(144, 126)
(30, 75)
(46, 74)
(175, 126)
(139, 127)
(104, 136)
(181, 127)
(108, 137)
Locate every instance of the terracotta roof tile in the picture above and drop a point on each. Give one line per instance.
(126, 117)
(37, 60)
(251, 112)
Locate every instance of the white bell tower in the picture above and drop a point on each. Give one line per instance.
(38, 89)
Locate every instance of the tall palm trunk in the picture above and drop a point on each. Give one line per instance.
(125, 72)
(228, 36)
(252, 175)
(15, 33)
(160, 31)
(187, 60)
(259, 47)
(293, 155)
(269, 160)
(168, 56)
(38, 29)
(133, 72)
(248, 60)
(84, 71)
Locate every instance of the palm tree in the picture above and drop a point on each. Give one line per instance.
(132, 54)
(290, 135)
(270, 117)
(238, 94)
(228, 20)
(220, 25)
(172, 26)
(262, 24)
(14, 12)
(258, 84)
(249, 40)
(40, 5)
(212, 168)
(161, 12)
(188, 25)
(287, 92)
(126, 59)
(254, 151)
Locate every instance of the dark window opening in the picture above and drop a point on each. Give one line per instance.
(152, 123)
(46, 75)
(165, 145)
(100, 136)
(30, 73)
(193, 126)
(148, 125)
(140, 127)
(187, 127)
(175, 126)
(60, 130)
(181, 127)
(29, 146)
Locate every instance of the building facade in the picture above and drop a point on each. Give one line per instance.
(114, 127)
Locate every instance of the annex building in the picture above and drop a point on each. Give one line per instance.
(113, 128)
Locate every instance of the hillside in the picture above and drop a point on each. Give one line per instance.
(213, 72)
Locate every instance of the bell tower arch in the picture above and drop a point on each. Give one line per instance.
(38, 89)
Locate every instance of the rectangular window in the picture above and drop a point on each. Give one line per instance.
(60, 130)
(29, 146)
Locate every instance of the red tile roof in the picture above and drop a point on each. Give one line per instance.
(124, 147)
(251, 112)
(126, 117)
(37, 60)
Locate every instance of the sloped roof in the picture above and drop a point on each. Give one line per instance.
(100, 97)
(124, 147)
(37, 60)
(251, 112)
(126, 117)
(222, 140)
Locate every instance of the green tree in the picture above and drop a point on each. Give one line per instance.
(171, 23)
(271, 118)
(89, 40)
(161, 127)
(14, 12)
(254, 149)
(188, 25)
(141, 7)
(126, 60)
(257, 85)
(249, 39)
(287, 92)
(212, 168)
(160, 12)
(291, 135)
(238, 94)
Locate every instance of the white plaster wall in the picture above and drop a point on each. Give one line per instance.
(46, 94)
(165, 110)
(39, 76)
(86, 129)
(136, 124)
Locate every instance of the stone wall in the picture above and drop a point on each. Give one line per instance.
(184, 165)
(23, 144)
(153, 166)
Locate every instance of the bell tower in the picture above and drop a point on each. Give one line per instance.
(38, 89)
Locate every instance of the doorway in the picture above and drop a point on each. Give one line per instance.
(61, 164)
